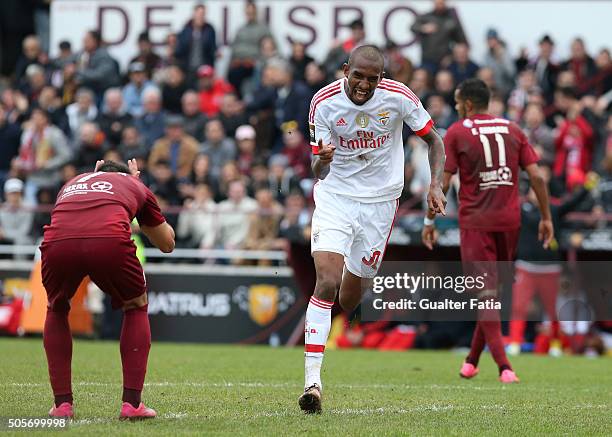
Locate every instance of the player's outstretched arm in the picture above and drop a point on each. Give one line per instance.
(162, 236)
(436, 200)
(322, 160)
(545, 229)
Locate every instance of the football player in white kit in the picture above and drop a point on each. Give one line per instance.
(356, 137)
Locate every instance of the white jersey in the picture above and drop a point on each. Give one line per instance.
(368, 163)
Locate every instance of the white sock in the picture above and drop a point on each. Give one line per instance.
(316, 331)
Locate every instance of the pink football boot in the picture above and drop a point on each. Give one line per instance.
(142, 412)
(64, 410)
(508, 377)
(468, 371)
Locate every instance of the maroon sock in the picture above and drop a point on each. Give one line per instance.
(134, 345)
(491, 328)
(57, 341)
(478, 344)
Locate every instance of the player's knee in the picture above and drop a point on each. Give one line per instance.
(349, 303)
(136, 303)
(326, 288)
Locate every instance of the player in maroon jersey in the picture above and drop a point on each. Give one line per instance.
(89, 235)
(488, 152)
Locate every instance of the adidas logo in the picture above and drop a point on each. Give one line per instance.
(341, 122)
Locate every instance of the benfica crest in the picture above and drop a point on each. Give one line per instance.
(383, 117)
(263, 302)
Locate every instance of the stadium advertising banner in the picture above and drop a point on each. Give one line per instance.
(223, 305)
(320, 23)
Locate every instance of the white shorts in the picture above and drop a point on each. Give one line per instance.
(356, 230)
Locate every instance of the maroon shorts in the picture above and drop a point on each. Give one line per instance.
(109, 262)
(489, 253)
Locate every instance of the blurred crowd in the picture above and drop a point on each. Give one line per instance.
(227, 155)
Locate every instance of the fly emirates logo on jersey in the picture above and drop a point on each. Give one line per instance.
(493, 176)
(364, 140)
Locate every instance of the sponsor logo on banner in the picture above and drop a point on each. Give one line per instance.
(189, 304)
(263, 302)
(362, 120)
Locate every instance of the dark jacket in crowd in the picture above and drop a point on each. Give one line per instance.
(100, 73)
(208, 46)
(437, 45)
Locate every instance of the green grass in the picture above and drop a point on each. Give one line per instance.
(202, 389)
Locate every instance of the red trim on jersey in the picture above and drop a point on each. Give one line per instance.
(400, 87)
(321, 302)
(314, 348)
(390, 230)
(315, 149)
(323, 94)
(425, 130)
(405, 93)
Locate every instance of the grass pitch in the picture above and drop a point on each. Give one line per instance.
(240, 390)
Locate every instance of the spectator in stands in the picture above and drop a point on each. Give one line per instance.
(582, 65)
(200, 174)
(339, 53)
(437, 31)
(397, 66)
(245, 140)
(519, 96)
(461, 66)
(299, 59)
(194, 120)
(487, 75)
(173, 89)
(603, 78)
(114, 118)
(212, 89)
(499, 60)
(245, 47)
(234, 213)
(151, 123)
(163, 183)
(229, 173)
(263, 226)
(42, 217)
(69, 85)
(15, 220)
(135, 89)
(545, 68)
(574, 142)
(232, 113)
(43, 151)
(540, 136)
(176, 147)
(65, 56)
(218, 147)
(31, 54)
(282, 179)
(497, 106)
(95, 67)
(146, 55)
(50, 102)
(315, 77)
(131, 146)
(15, 104)
(35, 81)
(445, 86)
(296, 149)
(440, 111)
(197, 42)
(82, 110)
(10, 137)
(420, 83)
(295, 220)
(288, 99)
(259, 174)
(197, 223)
(604, 190)
(267, 52)
(90, 147)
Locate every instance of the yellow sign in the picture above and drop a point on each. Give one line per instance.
(263, 303)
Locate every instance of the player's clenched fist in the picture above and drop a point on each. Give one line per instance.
(326, 152)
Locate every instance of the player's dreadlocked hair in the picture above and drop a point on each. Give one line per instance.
(369, 52)
(476, 91)
(114, 167)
